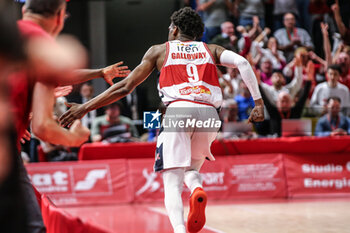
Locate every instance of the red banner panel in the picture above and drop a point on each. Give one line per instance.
(257, 176)
(148, 186)
(82, 183)
(252, 176)
(317, 175)
(216, 178)
(130, 150)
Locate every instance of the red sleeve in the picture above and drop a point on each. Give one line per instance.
(247, 45)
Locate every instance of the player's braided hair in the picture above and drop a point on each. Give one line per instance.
(189, 22)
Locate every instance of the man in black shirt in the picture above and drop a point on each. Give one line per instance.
(284, 109)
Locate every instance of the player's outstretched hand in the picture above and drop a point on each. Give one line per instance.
(63, 91)
(257, 114)
(113, 71)
(75, 112)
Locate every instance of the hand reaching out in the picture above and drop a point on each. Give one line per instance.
(256, 21)
(63, 91)
(324, 29)
(335, 7)
(241, 29)
(113, 71)
(75, 112)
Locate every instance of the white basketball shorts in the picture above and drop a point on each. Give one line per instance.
(188, 129)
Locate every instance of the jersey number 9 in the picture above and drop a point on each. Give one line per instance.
(192, 73)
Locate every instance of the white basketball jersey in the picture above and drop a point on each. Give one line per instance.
(189, 73)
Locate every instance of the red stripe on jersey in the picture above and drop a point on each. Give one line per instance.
(166, 55)
(211, 55)
(177, 74)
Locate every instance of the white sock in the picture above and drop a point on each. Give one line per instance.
(180, 229)
(193, 180)
(173, 182)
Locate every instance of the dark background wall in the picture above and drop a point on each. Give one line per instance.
(132, 27)
(78, 21)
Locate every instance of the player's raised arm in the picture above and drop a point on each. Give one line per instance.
(230, 59)
(108, 73)
(116, 91)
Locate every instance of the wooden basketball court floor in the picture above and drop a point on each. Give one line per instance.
(271, 216)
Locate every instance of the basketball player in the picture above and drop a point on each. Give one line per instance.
(32, 89)
(188, 79)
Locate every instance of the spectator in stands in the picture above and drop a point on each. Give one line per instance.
(285, 108)
(308, 60)
(113, 127)
(249, 34)
(244, 101)
(343, 60)
(281, 7)
(266, 69)
(329, 88)
(229, 83)
(334, 123)
(249, 8)
(86, 94)
(229, 112)
(231, 127)
(271, 52)
(227, 38)
(279, 84)
(215, 13)
(291, 37)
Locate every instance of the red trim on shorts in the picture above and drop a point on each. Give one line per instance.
(211, 55)
(192, 101)
(166, 55)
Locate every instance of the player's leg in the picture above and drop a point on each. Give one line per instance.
(192, 178)
(198, 199)
(173, 155)
(200, 149)
(173, 183)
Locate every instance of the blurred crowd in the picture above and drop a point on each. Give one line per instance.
(300, 52)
